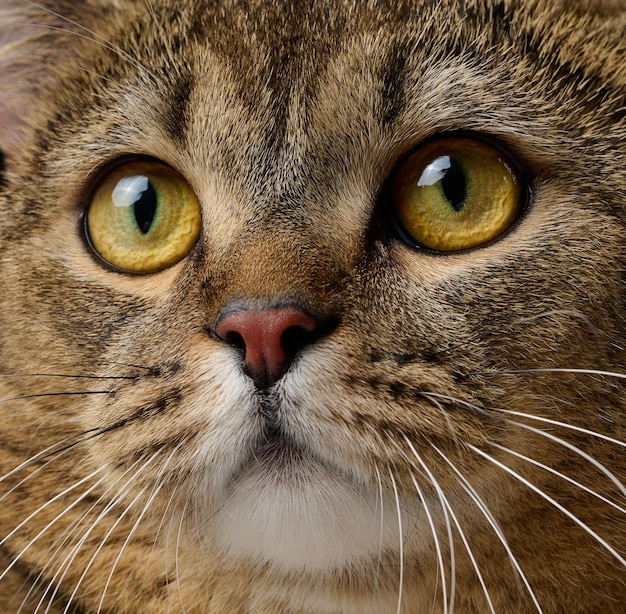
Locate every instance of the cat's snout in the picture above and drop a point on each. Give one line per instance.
(270, 337)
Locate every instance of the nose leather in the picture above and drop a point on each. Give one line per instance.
(271, 339)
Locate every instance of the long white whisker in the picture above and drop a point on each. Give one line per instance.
(446, 504)
(60, 541)
(431, 523)
(178, 538)
(560, 475)
(44, 453)
(101, 545)
(446, 416)
(444, 509)
(482, 506)
(130, 535)
(550, 500)
(470, 554)
(382, 524)
(564, 425)
(54, 520)
(545, 434)
(44, 506)
(155, 491)
(547, 370)
(158, 532)
(28, 477)
(401, 579)
(112, 528)
(64, 565)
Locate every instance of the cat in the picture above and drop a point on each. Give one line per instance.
(312, 307)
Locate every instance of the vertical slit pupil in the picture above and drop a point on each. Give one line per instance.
(453, 185)
(145, 207)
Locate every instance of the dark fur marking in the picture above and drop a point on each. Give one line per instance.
(393, 94)
(403, 359)
(2, 169)
(176, 116)
(398, 389)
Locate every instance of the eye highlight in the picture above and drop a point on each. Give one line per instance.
(455, 193)
(143, 217)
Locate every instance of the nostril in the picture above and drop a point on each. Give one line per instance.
(235, 339)
(295, 338)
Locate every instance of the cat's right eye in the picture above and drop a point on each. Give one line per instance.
(143, 217)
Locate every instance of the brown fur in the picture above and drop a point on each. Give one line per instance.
(129, 433)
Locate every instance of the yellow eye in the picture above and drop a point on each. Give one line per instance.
(143, 217)
(456, 193)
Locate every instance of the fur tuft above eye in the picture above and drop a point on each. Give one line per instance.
(143, 217)
(455, 193)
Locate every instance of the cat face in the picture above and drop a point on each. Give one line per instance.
(313, 307)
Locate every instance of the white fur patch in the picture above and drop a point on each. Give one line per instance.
(298, 515)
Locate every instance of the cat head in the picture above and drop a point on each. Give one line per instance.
(296, 367)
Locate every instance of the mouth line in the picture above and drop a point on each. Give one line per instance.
(276, 447)
(275, 451)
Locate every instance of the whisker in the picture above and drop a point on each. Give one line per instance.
(470, 554)
(41, 508)
(446, 503)
(56, 394)
(158, 485)
(99, 549)
(155, 491)
(167, 543)
(23, 480)
(158, 532)
(564, 425)
(62, 539)
(43, 455)
(446, 417)
(63, 568)
(546, 370)
(68, 375)
(178, 538)
(550, 500)
(17, 557)
(433, 530)
(54, 450)
(401, 579)
(482, 506)
(560, 475)
(119, 519)
(444, 509)
(382, 524)
(51, 451)
(566, 444)
(151, 370)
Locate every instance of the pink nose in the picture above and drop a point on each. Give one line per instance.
(271, 338)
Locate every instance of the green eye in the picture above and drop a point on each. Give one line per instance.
(456, 193)
(143, 217)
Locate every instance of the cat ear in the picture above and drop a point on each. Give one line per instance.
(32, 49)
(17, 80)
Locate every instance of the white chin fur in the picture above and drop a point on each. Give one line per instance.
(302, 516)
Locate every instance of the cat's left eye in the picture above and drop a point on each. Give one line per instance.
(143, 217)
(456, 193)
